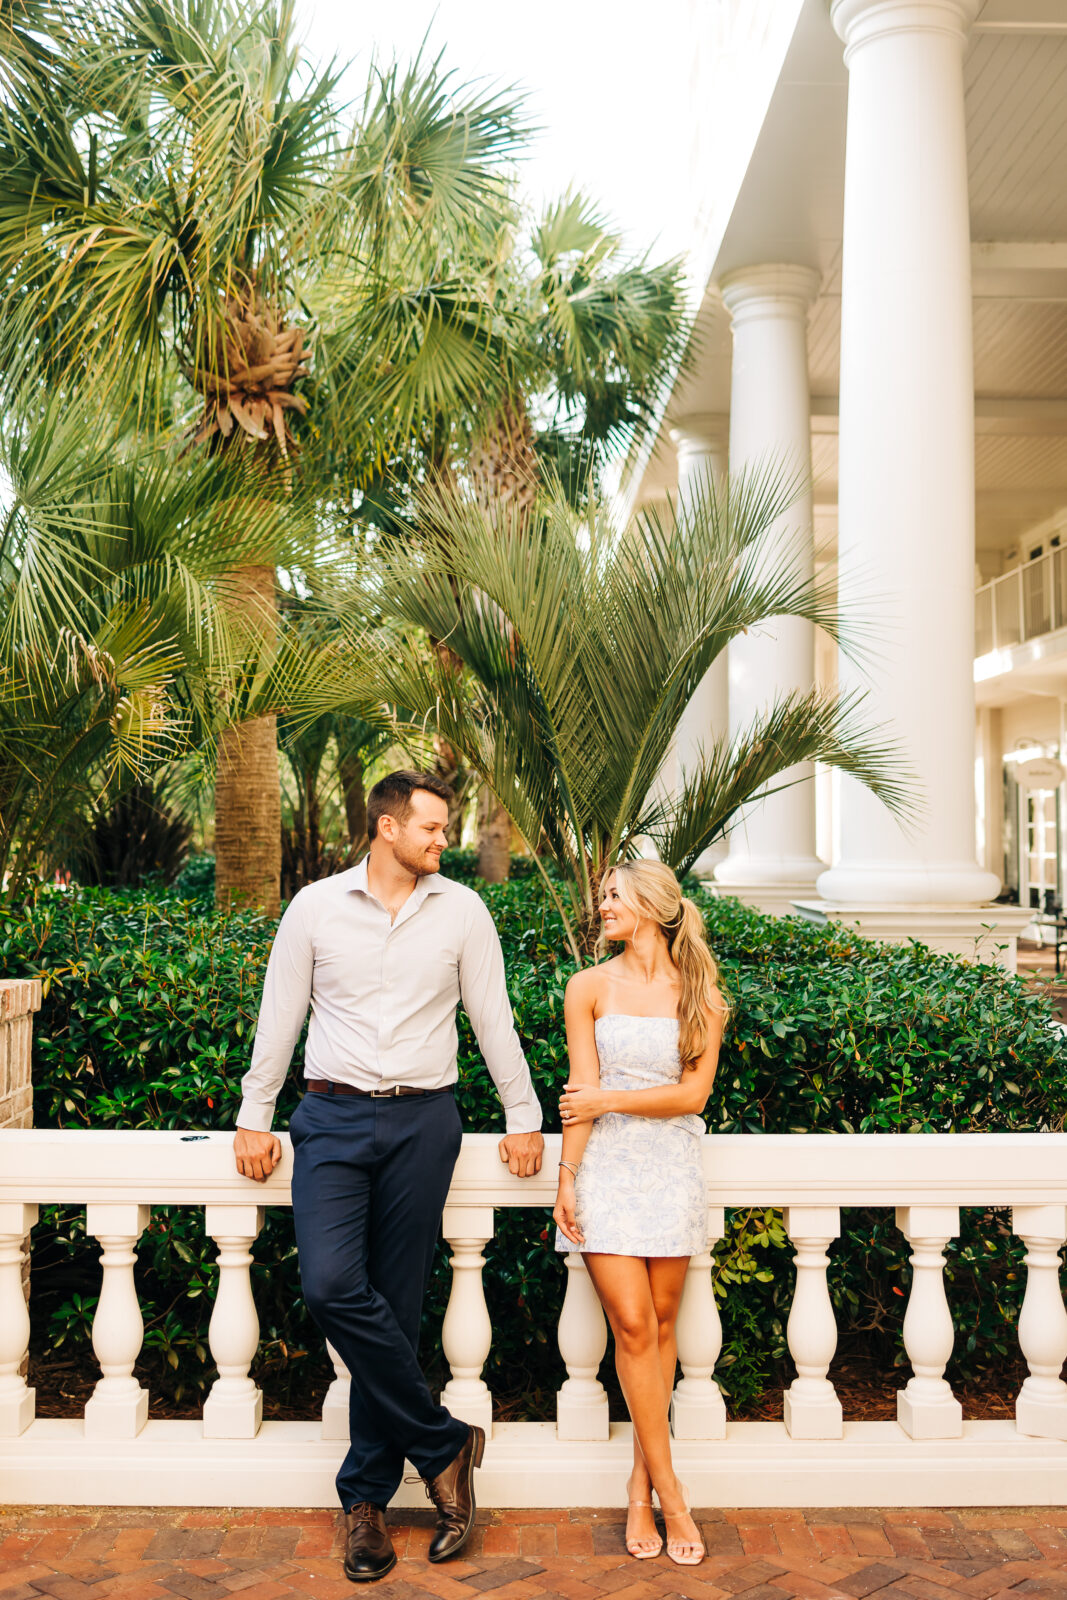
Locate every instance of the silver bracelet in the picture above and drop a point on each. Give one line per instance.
(570, 1167)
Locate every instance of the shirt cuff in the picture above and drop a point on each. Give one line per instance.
(524, 1118)
(255, 1115)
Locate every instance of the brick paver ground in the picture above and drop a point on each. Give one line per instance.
(58, 1554)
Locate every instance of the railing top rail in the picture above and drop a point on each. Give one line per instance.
(189, 1167)
(1013, 572)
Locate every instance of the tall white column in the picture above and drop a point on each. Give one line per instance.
(906, 483)
(772, 858)
(702, 444)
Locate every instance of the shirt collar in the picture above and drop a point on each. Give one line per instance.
(356, 878)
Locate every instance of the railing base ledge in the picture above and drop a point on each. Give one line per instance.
(289, 1464)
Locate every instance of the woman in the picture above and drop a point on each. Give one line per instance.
(643, 1033)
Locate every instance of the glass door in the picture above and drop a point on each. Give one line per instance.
(1039, 848)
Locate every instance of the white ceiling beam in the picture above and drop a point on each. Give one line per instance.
(992, 414)
(1019, 255)
(1022, 16)
(1019, 270)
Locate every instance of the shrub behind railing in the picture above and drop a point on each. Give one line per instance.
(149, 1010)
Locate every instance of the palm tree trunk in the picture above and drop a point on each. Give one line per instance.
(494, 839)
(503, 470)
(248, 801)
(351, 771)
(448, 764)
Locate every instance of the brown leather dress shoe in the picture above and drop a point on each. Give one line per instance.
(452, 1492)
(369, 1552)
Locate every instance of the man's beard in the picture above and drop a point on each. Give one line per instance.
(420, 865)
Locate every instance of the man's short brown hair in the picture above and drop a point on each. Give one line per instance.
(391, 796)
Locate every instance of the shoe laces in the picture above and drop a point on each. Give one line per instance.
(363, 1509)
(429, 1484)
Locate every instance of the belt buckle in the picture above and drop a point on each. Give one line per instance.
(385, 1094)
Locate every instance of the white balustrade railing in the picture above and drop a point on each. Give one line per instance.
(117, 1453)
(1025, 603)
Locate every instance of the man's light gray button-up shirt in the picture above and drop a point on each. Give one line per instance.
(384, 994)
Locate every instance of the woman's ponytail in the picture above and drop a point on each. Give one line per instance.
(699, 975)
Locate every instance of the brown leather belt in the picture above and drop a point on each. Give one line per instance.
(327, 1086)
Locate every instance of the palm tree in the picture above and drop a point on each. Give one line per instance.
(181, 200)
(116, 645)
(581, 648)
(591, 335)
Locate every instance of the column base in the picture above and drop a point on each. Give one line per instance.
(582, 1416)
(16, 1413)
(477, 1409)
(1041, 1419)
(238, 1417)
(700, 1415)
(335, 1410)
(773, 899)
(705, 864)
(925, 1419)
(815, 1418)
(987, 933)
(771, 884)
(122, 1418)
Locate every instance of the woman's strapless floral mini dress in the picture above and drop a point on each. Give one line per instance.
(640, 1184)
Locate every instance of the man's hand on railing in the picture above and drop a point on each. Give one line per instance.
(256, 1154)
(522, 1152)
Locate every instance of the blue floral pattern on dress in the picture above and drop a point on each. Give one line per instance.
(640, 1184)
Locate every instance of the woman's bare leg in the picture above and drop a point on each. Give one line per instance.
(624, 1288)
(666, 1277)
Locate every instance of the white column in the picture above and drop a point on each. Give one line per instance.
(582, 1401)
(234, 1408)
(702, 443)
(1041, 1407)
(927, 1408)
(811, 1408)
(467, 1332)
(118, 1406)
(698, 1410)
(335, 1423)
(772, 860)
(906, 481)
(16, 1397)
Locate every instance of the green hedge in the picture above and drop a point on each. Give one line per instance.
(150, 1004)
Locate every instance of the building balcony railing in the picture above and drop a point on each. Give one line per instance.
(116, 1453)
(1023, 604)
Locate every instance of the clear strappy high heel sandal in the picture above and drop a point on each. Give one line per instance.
(683, 1552)
(633, 1545)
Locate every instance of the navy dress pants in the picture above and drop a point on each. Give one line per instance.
(370, 1179)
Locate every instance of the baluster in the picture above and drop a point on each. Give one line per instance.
(1041, 1407)
(698, 1410)
(234, 1408)
(118, 1406)
(467, 1333)
(810, 1407)
(16, 1396)
(335, 1401)
(582, 1401)
(927, 1408)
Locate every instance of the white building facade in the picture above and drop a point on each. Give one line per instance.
(881, 261)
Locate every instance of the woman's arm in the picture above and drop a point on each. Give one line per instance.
(584, 1104)
(585, 1072)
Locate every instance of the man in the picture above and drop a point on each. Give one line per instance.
(384, 953)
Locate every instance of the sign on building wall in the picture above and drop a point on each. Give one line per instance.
(1039, 772)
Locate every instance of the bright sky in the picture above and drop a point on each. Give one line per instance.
(607, 79)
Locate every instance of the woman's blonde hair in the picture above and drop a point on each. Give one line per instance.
(650, 889)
